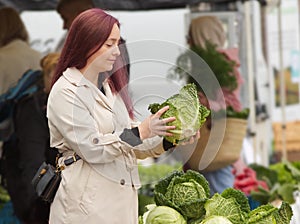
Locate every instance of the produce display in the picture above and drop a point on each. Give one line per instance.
(188, 194)
(190, 114)
(283, 179)
(248, 182)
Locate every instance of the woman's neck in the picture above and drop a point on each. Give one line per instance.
(90, 75)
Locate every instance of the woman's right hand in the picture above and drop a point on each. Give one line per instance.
(154, 125)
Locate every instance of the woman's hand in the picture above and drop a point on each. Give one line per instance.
(153, 125)
(192, 139)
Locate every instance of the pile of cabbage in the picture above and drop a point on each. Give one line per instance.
(184, 198)
(189, 113)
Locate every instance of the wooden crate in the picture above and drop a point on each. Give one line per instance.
(292, 136)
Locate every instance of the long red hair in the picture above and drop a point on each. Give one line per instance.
(87, 34)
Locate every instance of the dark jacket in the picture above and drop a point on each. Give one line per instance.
(23, 155)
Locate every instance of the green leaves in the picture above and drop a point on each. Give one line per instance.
(185, 192)
(269, 214)
(164, 214)
(282, 179)
(188, 66)
(188, 193)
(189, 113)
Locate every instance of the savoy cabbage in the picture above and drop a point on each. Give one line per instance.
(270, 214)
(214, 219)
(189, 112)
(162, 214)
(185, 192)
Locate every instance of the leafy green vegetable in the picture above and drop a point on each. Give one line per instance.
(284, 175)
(214, 219)
(264, 173)
(270, 214)
(185, 192)
(149, 175)
(283, 180)
(189, 113)
(226, 207)
(263, 215)
(163, 215)
(221, 66)
(240, 198)
(284, 214)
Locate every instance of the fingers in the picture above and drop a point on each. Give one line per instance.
(167, 120)
(197, 134)
(161, 111)
(192, 139)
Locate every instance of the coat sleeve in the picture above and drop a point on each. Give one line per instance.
(72, 124)
(151, 147)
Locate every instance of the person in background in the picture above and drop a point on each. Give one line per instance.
(16, 55)
(69, 9)
(210, 28)
(30, 146)
(95, 130)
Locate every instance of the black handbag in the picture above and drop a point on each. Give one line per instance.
(46, 181)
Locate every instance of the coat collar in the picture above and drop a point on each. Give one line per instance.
(75, 77)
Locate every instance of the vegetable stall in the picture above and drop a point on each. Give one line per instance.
(185, 198)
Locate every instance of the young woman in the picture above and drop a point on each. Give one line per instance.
(93, 128)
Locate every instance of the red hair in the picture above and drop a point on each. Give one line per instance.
(87, 34)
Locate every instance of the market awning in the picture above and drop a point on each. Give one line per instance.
(127, 5)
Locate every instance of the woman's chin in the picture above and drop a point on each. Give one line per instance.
(109, 68)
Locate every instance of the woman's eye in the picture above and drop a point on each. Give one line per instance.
(109, 45)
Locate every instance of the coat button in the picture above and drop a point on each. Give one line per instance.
(122, 181)
(95, 140)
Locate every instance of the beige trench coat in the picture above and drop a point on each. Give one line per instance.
(102, 187)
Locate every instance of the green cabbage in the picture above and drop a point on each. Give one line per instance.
(185, 192)
(163, 215)
(226, 207)
(189, 113)
(270, 214)
(214, 219)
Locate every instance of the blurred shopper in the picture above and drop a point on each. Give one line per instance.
(16, 56)
(210, 28)
(28, 148)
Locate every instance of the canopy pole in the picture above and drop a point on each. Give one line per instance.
(250, 74)
(282, 85)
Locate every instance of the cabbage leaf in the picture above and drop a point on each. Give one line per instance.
(270, 214)
(189, 113)
(163, 214)
(214, 219)
(226, 207)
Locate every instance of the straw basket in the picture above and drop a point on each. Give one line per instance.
(230, 147)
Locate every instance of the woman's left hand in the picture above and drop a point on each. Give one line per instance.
(192, 139)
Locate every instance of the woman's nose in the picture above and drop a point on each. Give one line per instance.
(116, 51)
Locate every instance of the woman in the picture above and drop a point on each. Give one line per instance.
(93, 128)
(16, 56)
(210, 28)
(24, 153)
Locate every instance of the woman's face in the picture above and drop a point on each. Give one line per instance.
(104, 59)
